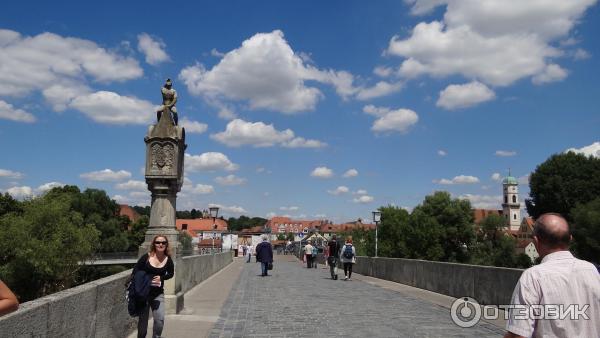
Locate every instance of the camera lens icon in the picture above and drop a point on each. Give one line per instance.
(465, 312)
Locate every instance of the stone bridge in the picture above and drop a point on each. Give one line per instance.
(293, 301)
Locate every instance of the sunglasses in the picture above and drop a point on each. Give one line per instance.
(160, 242)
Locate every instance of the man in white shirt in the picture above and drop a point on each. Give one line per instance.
(561, 280)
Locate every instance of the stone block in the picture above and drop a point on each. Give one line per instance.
(112, 318)
(31, 320)
(494, 285)
(72, 312)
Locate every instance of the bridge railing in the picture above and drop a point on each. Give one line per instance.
(98, 308)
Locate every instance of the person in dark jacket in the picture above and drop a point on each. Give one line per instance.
(264, 254)
(334, 256)
(159, 264)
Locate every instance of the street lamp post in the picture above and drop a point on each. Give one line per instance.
(214, 212)
(376, 219)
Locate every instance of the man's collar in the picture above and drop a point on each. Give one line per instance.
(563, 254)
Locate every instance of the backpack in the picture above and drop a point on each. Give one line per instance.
(348, 254)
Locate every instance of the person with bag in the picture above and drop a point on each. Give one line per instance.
(348, 257)
(333, 257)
(264, 255)
(158, 264)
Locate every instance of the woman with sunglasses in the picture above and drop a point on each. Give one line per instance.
(158, 263)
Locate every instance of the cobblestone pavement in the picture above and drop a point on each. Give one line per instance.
(299, 302)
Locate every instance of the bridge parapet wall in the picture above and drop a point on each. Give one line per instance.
(98, 308)
(486, 284)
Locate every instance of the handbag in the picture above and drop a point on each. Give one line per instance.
(270, 266)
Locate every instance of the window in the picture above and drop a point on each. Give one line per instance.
(514, 199)
(305, 230)
(505, 199)
(184, 226)
(514, 216)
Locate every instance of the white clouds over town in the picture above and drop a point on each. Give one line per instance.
(106, 175)
(322, 172)
(461, 179)
(258, 134)
(153, 49)
(210, 161)
(390, 120)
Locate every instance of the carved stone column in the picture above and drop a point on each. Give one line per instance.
(165, 146)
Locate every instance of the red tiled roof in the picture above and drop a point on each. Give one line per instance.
(125, 210)
(480, 214)
(523, 243)
(195, 226)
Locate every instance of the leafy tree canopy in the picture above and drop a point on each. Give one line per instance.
(563, 181)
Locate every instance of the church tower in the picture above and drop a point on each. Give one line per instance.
(511, 207)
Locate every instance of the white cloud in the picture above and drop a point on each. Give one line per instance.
(350, 173)
(391, 120)
(210, 161)
(383, 71)
(483, 201)
(34, 63)
(265, 72)
(381, 88)
(153, 49)
(60, 95)
(258, 134)
(106, 175)
(215, 52)
(322, 172)
(11, 174)
(551, 73)
(364, 199)
(581, 54)
(461, 179)
(494, 41)
(496, 177)
(203, 189)
(505, 153)
(230, 180)
(524, 179)
(591, 150)
(360, 192)
(48, 186)
(112, 108)
(291, 208)
(193, 126)
(133, 185)
(231, 209)
(270, 215)
(465, 95)
(442, 152)
(8, 112)
(339, 190)
(20, 193)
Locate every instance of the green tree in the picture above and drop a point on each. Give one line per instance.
(186, 241)
(44, 245)
(586, 230)
(9, 204)
(392, 232)
(562, 182)
(455, 218)
(138, 233)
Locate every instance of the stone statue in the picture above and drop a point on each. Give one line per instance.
(169, 96)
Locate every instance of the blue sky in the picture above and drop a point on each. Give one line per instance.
(309, 109)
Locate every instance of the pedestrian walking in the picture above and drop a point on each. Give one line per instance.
(157, 263)
(315, 253)
(333, 248)
(348, 257)
(264, 255)
(249, 253)
(560, 279)
(308, 249)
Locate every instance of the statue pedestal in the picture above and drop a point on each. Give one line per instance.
(165, 146)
